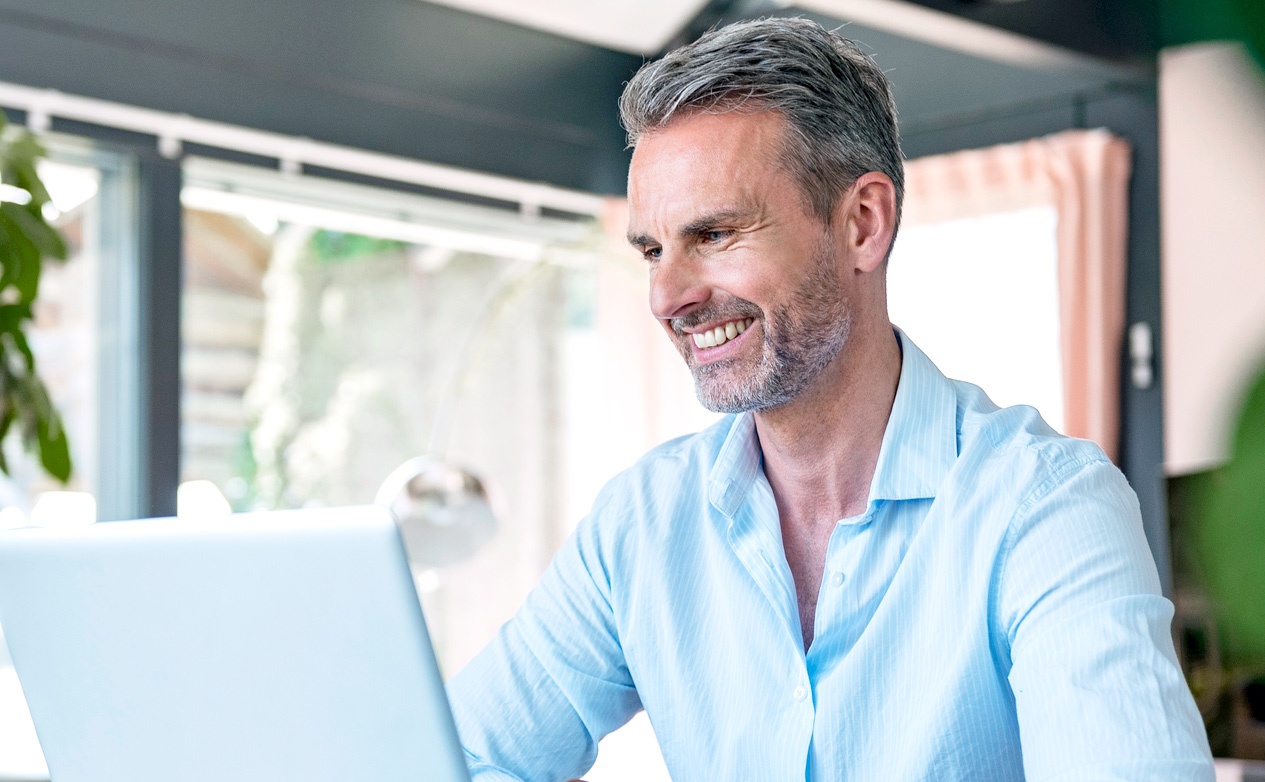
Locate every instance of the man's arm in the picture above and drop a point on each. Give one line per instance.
(1097, 687)
(534, 703)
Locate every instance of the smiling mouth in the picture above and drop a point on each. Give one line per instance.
(722, 334)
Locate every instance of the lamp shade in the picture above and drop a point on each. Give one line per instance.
(442, 510)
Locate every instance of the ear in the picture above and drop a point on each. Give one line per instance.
(867, 218)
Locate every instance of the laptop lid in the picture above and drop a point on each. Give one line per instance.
(266, 646)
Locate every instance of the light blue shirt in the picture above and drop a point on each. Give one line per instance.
(994, 615)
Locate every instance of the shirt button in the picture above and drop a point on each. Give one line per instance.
(836, 578)
(801, 693)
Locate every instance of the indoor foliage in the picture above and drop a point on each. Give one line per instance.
(1231, 538)
(26, 240)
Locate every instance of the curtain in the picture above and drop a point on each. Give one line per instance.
(1084, 174)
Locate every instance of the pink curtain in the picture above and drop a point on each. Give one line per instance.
(1084, 174)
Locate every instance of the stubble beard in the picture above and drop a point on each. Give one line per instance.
(799, 340)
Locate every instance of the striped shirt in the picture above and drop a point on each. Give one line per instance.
(994, 614)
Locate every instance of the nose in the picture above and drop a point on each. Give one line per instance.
(675, 287)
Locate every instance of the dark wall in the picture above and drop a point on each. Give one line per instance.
(396, 76)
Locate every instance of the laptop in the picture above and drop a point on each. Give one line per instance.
(265, 646)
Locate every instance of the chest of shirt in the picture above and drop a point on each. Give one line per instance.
(712, 636)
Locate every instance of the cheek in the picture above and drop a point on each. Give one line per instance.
(760, 278)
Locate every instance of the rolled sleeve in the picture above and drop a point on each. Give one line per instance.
(533, 704)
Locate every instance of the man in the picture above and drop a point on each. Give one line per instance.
(867, 571)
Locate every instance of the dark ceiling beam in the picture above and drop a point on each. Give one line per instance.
(717, 13)
(397, 76)
(1119, 30)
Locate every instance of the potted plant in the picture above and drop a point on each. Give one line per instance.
(26, 241)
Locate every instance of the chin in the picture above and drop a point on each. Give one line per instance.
(729, 396)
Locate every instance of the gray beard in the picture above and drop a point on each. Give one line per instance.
(800, 339)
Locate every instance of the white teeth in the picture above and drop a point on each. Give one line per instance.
(722, 334)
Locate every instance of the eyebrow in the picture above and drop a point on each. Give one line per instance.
(695, 226)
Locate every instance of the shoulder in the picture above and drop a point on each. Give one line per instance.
(1056, 498)
(660, 487)
(1015, 447)
(646, 507)
(675, 470)
(1014, 474)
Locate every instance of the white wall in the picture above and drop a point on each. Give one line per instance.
(1212, 151)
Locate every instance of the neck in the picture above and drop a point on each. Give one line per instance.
(820, 450)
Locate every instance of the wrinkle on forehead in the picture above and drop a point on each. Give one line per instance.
(701, 166)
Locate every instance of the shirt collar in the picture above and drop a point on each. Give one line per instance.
(736, 465)
(918, 450)
(920, 443)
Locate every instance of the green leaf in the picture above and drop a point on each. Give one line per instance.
(32, 225)
(12, 315)
(26, 239)
(1230, 536)
(6, 423)
(24, 410)
(20, 165)
(9, 263)
(37, 396)
(27, 279)
(54, 449)
(19, 341)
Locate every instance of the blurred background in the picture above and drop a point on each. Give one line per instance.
(311, 241)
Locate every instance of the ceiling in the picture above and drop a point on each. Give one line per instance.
(632, 26)
(1120, 30)
(942, 66)
(524, 88)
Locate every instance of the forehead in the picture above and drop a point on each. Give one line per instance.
(705, 162)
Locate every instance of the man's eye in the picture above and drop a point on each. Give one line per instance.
(652, 253)
(711, 237)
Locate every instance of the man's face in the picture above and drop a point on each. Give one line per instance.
(732, 246)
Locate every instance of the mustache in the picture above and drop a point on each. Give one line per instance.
(739, 308)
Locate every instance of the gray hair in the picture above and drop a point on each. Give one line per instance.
(837, 103)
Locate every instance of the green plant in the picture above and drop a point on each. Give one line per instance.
(334, 246)
(1230, 538)
(26, 239)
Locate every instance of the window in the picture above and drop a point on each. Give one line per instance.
(979, 296)
(333, 331)
(84, 340)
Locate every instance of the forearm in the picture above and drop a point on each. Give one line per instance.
(514, 721)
